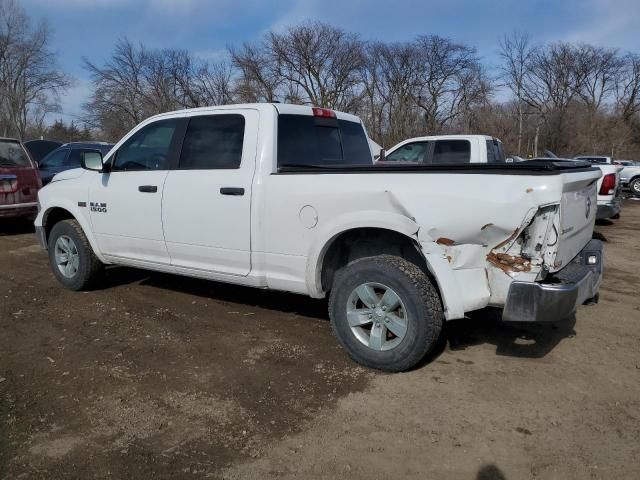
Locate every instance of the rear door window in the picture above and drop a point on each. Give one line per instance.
(304, 140)
(213, 142)
(451, 152)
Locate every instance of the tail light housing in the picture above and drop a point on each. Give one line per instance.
(8, 185)
(608, 186)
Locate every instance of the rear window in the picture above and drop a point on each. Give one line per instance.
(451, 151)
(495, 153)
(312, 141)
(13, 155)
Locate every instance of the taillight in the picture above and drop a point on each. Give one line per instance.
(323, 112)
(8, 185)
(608, 186)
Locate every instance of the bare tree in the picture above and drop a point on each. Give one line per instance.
(516, 51)
(30, 80)
(444, 66)
(259, 80)
(320, 60)
(627, 87)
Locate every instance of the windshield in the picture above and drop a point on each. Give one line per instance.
(12, 154)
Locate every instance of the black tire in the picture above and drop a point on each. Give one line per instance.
(421, 301)
(89, 267)
(634, 186)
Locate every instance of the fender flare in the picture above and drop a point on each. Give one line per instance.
(81, 219)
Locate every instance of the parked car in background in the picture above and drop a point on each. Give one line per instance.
(446, 150)
(38, 149)
(68, 156)
(19, 180)
(287, 197)
(609, 188)
(630, 176)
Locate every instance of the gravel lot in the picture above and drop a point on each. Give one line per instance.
(154, 376)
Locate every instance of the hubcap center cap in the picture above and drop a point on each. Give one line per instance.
(379, 313)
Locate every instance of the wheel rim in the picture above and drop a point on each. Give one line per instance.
(377, 316)
(67, 256)
(636, 186)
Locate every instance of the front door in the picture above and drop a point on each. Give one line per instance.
(126, 203)
(206, 207)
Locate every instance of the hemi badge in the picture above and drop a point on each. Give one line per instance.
(82, 204)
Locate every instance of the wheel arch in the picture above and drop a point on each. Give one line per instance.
(56, 214)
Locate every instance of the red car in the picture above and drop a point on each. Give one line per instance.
(19, 181)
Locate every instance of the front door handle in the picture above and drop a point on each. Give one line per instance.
(232, 191)
(148, 188)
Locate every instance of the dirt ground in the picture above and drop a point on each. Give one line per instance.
(154, 376)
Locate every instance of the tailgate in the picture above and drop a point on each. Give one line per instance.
(578, 208)
(19, 185)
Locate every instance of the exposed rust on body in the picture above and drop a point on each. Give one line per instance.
(445, 241)
(509, 263)
(509, 239)
(529, 190)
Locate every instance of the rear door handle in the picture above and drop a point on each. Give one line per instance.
(232, 191)
(148, 188)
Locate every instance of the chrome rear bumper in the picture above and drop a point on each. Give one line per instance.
(561, 293)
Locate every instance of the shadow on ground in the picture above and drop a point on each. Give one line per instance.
(490, 472)
(15, 226)
(525, 340)
(223, 292)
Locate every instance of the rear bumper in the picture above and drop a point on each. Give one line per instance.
(19, 210)
(608, 210)
(561, 294)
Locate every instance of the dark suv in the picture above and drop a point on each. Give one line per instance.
(68, 156)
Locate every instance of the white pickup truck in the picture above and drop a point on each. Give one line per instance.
(288, 198)
(446, 150)
(609, 186)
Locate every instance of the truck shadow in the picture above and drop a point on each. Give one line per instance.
(15, 226)
(221, 292)
(524, 340)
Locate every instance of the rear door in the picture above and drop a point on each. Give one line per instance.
(206, 208)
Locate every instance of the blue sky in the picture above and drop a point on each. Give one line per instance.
(89, 28)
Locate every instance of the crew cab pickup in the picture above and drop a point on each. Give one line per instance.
(287, 197)
(446, 149)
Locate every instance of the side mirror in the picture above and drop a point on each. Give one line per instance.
(92, 160)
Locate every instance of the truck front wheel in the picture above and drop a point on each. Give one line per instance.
(72, 260)
(385, 312)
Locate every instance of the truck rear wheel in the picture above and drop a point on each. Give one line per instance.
(385, 312)
(71, 257)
